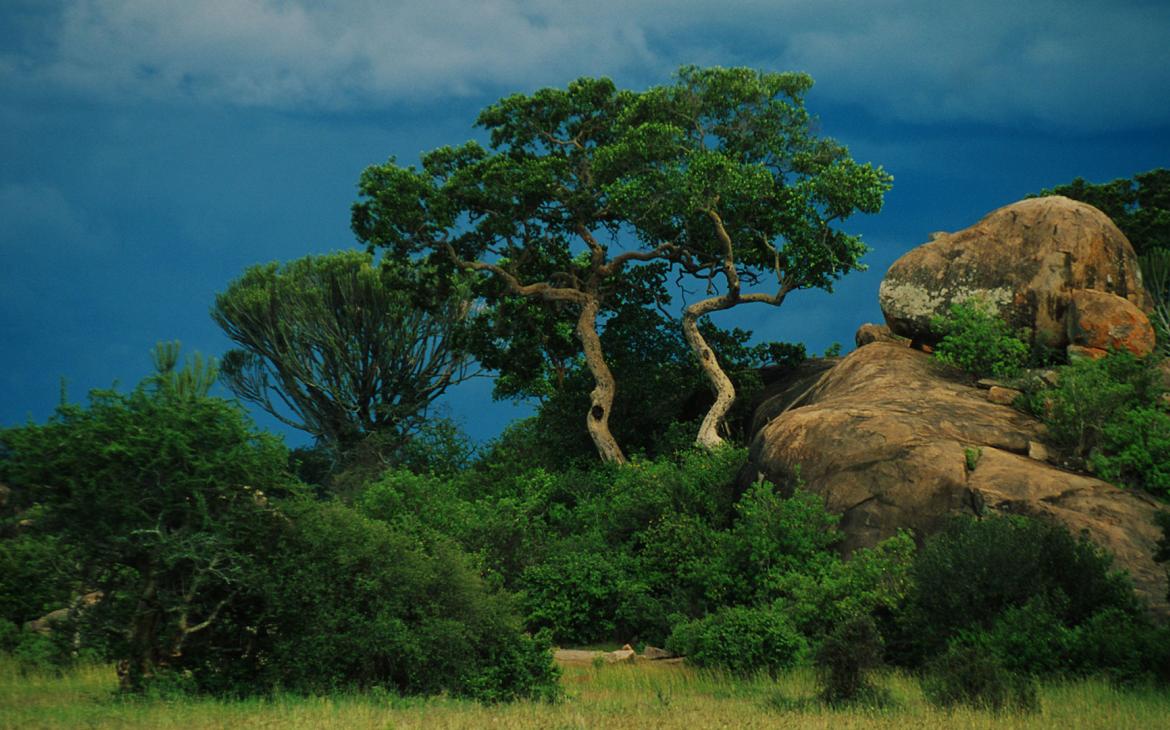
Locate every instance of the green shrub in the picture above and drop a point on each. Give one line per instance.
(1091, 394)
(574, 594)
(1135, 450)
(775, 537)
(845, 658)
(968, 673)
(351, 603)
(1033, 638)
(873, 582)
(740, 640)
(976, 340)
(686, 559)
(1126, 648)
(967, 576)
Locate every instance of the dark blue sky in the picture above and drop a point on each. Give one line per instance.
(150, 150)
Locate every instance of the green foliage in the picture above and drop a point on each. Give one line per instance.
(977, 341)
(976, 573)
(353, 603)
(1110, 414)
(576, 595)
(341, 347)
(968, 673)
(37, 575)
(844, 659)
(776, 538)
(568, 171)
(873, 582)
(160, 494)
(972, 455)
(1135, 450)
(740, 640)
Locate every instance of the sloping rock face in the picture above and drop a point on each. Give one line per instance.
(1025, 259)
(886, 439)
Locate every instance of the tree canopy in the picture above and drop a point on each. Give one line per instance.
(717, 174)
(342, 347)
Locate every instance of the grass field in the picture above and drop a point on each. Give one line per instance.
(645, 695)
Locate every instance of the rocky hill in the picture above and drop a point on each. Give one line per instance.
(892, 441)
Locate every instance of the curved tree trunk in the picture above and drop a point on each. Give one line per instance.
(604, 389)
(709, 437)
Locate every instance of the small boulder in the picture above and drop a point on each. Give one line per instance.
(1080, 352)
(870, 333)
(653, 653)
(624, 654)
(1104, 321)
(1002, 396)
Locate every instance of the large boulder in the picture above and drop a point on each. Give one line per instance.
(1024, 259)
(892, 443)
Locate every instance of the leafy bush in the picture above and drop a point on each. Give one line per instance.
(844, 659)
(573, 594)
(740, 640)
(351, 603)
(874, 582)
(776, 537)
(967, 576)
(976, 340)
(1135, 450)
(970, 674)
(162, 496)
(1090, 395)
(1126, 648)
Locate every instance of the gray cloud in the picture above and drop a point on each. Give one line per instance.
(1084, 66)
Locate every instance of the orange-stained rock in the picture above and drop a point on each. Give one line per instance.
(1024, 260)
(1103, 321)
(883, 437)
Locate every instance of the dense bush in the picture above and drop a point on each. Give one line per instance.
(976, 340)
(740, 640)
(351, 603)
(161, 496)
(1109, 414)
(1024, 581)
(970, 674)
(1135, 450)
(37, 575)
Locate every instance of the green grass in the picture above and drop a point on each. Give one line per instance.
(617, 696)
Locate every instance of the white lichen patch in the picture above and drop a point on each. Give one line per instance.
(909, 301)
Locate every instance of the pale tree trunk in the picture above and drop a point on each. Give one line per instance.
(709, 437)
(604, 388)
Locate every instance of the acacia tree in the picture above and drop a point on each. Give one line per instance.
(717, 173)
(725, 164)
(533, 212)
(342, 347)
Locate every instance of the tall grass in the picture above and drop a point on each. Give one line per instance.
(644, 695)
